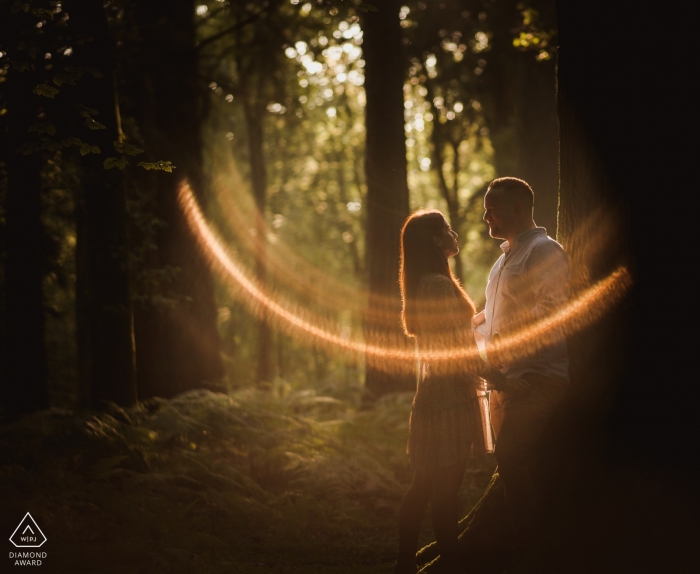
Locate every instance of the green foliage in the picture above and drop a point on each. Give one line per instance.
(131, 150)
(111, 162)
(159, 165)
(71, 75)
(297, 481)
(535, 33)
(126, 148)
(87, 148)
(44, 90)
(43, 128)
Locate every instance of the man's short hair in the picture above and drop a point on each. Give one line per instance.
(517, 189)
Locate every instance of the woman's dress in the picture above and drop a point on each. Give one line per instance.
(447, 423)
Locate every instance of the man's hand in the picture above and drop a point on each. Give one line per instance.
(516, 387)
(497, 381)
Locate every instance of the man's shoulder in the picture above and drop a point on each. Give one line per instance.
(547, 252)
(498, 261)
(545, 244)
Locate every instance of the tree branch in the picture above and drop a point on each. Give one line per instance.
(237, 26)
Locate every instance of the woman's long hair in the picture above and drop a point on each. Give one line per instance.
(419, 256)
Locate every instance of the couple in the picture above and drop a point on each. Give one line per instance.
(527, 283)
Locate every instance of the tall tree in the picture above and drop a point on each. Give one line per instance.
(112, 365)
(387, 187)
(178, 347)
(24, 384)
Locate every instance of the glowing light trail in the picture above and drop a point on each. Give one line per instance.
(589, 306)
(309, 281)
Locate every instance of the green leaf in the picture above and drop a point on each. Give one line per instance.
(367, 8)
(126, 148)
(87, 148)
(44, 90)
(51, 130)
(111, 162)
(159, 165)
(72, 141)
(85, 111)
(59, 79)
(51, 146)
(93, 125)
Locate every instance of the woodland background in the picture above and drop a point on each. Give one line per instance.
(153, 419)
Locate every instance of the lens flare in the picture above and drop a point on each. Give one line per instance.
(310, 327)
(281, 262)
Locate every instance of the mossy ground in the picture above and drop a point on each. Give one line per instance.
(248, 482)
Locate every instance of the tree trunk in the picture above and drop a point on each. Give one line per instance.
(178, 347)
(254, 124)
(24, 384)
(387, 189)
(112, 365)
(82, 300)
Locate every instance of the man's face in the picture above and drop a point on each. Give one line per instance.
(499, 213)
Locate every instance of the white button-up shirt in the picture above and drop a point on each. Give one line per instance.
(529, 282)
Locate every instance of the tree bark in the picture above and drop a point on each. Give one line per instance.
(387, 189)
(178, 347)
(112, 364)
(24, 384)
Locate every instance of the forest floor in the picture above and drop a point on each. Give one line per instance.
(249, 482)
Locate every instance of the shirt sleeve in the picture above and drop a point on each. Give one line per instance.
(549, 279)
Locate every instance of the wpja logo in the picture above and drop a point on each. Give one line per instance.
(28, 535)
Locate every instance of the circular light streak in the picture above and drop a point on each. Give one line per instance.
(301, 323)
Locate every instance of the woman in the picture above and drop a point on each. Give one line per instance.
(445, 428)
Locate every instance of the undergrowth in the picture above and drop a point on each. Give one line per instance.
(205, 482)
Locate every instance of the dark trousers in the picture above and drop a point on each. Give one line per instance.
(519, 423)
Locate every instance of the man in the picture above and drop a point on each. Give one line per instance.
(528, 283)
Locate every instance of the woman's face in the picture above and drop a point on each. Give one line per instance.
(447, 241)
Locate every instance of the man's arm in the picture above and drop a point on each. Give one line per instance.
(549, 279)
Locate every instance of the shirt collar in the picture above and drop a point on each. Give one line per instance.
(523, 238)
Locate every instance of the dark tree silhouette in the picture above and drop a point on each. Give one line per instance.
(24, 385)
(110, 333)
(177, 347)
(387, 187)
